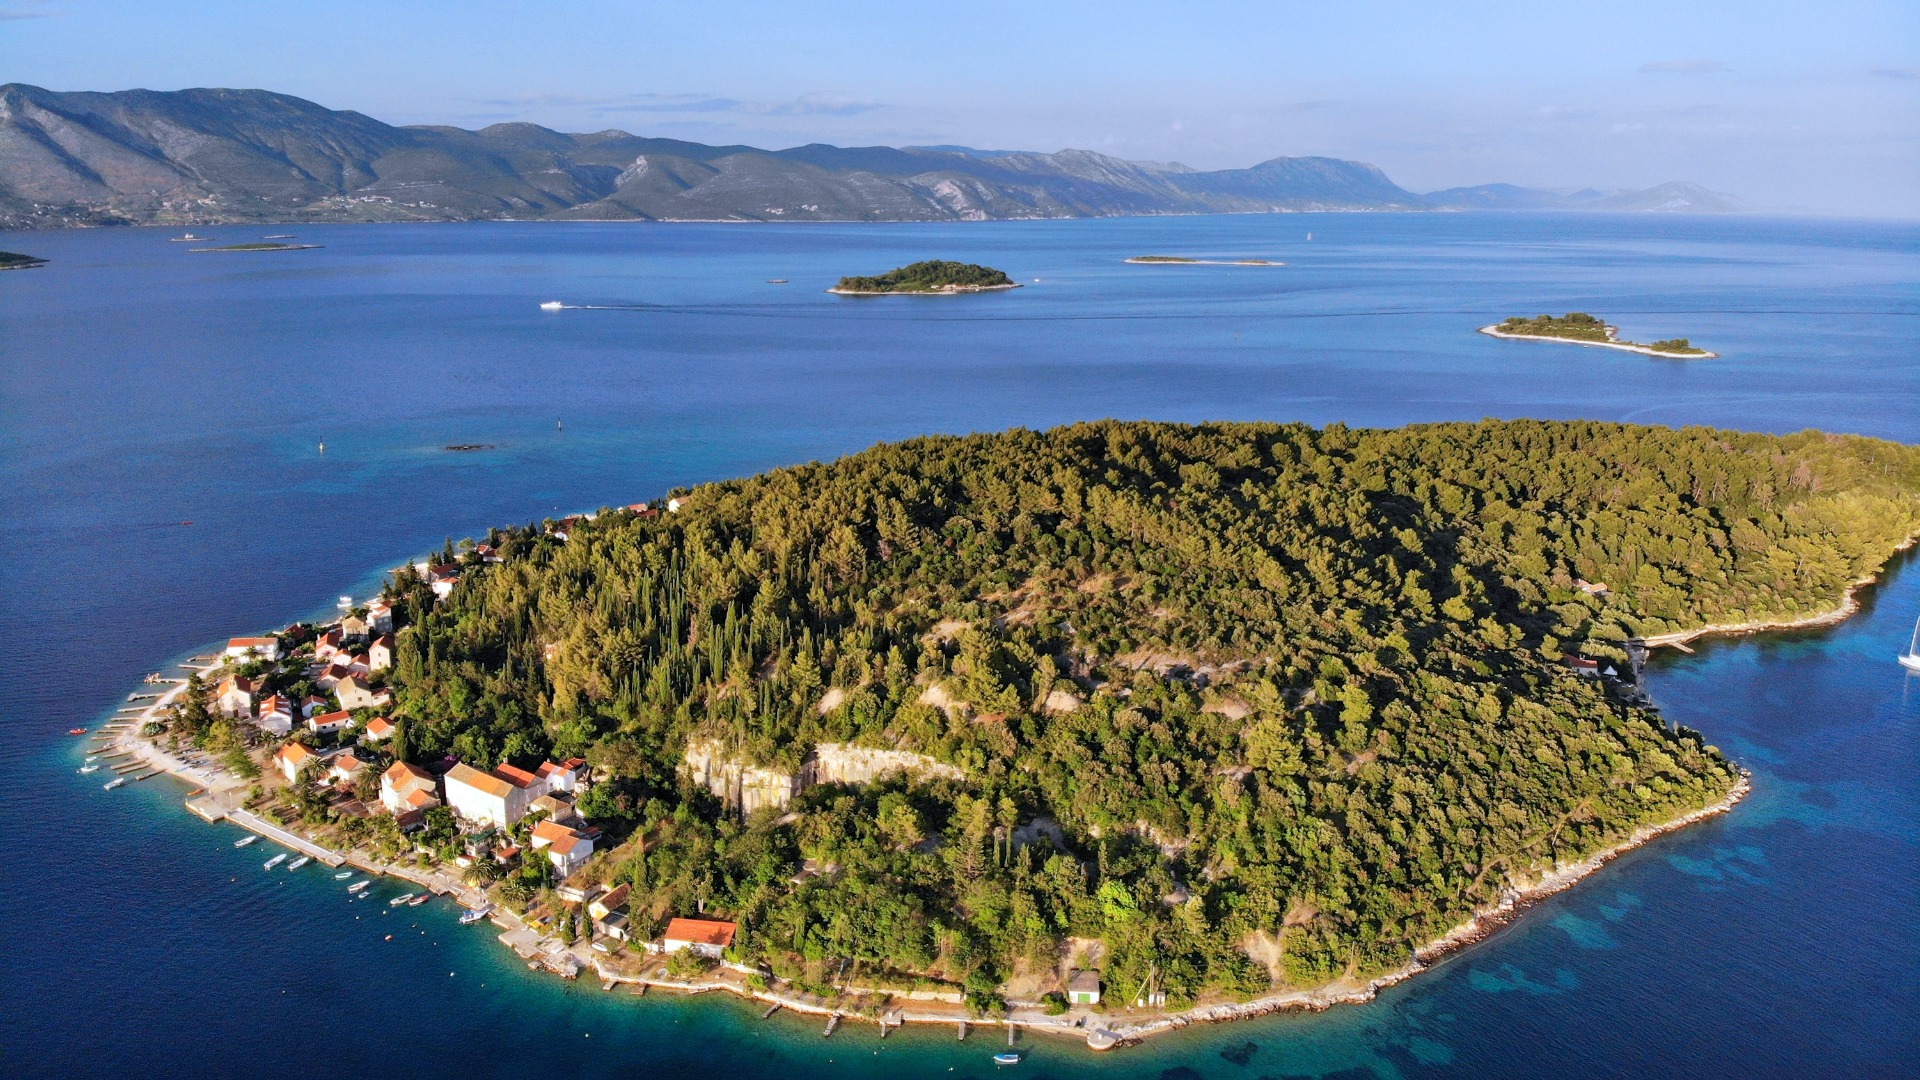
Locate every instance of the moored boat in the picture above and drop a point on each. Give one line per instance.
(476, 914)
(401, 899)
(358, 886)
(275, 861)
(299, 862)
(1008, 1058)
(245, 841)
(421, 899)
(343, 875)
(111, 784)
(89, 768)
(77, 731)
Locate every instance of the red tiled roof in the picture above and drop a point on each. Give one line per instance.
(700, 932)
(250, 642)
(518, 777)
(485, 782)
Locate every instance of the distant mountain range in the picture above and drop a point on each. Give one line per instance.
(211, 156)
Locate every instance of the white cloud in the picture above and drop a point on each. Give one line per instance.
(1695, 66)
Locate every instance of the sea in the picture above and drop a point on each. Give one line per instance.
(195, 445)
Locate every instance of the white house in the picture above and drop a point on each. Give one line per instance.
(405, 787)
(253, 648)
(276, 716)
(489, 797)
(1084, 988)
(707, 937)
(334, 672)
(314, 703)
(566, 776)
(379, 728)
(568, 850)
(353, 628)
(326, 646)
(380, 617)
(328, 723)
(291, 757)
(354, 693)
(234, 696)
(674, 504)
(343, 768)
(380, 653)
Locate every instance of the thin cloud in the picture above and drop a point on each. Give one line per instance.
(804, 105)
(1695, 66)
(1909, 74)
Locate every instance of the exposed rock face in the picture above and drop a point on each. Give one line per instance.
(748, 788)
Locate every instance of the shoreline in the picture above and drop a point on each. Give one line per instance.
(1623, 346)
(945, 290)
(1848, 606)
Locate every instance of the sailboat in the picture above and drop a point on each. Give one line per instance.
(1911, 658)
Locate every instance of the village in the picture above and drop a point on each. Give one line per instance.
(509, 844)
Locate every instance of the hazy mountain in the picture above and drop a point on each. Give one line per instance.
(205, 156)
(1672, 197)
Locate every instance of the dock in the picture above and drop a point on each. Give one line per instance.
(771, 1009)
(207, 810)
(278, 835)
(963, 1031)
(833, 1022)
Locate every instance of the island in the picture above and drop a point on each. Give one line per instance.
(1182, 260)
(13, 261)
(261, 246)
(1584, 329)
(936, 277)
(1097, 731)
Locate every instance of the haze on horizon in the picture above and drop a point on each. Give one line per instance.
(1787, 106)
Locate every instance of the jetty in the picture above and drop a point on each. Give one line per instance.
(833, 1023)
(771, 1009)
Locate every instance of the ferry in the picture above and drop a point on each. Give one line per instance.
(111, 784)
(1006, 1059)
(401, 899)
(1911, 658)
(299, 862)
(358, 886)
(552, 305)
(245, 841)
(275, 861)
(89, 768)
(475, 915)
(421, 899)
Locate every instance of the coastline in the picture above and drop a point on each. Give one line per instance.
(944, 290)
(1623, 346)
(1849, 604)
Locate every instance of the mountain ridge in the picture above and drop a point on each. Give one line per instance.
(213, 156)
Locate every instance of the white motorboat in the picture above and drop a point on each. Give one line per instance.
(476, 914)
(1911, 658)
(299, 862)
(343, 875)
(89, 768)
(111, 784)
(245, 841)
(358, 886)
(275, 861)
(552, 305)
(401, 899)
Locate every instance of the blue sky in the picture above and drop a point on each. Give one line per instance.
(1786, 104)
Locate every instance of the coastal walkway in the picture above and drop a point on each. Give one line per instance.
(278, 835)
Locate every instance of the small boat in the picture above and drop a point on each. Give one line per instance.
(89, 768)
(278, 236)
(475, 915)
(299, 862)
(1911, 658)
(552, 305)
(358, 886)
(343, 875)
(111, 784)
(184, 238)
(275, 861)
(346, 602)
(1006, 1059)
(245, 841)
(776, 281)
(401, 899)
(421, 899)
(77, 731)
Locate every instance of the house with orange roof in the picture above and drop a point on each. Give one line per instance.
(329, 723)
(291, 758)
(233, 697)
(343, 768)
(568, 849)
(380, 616)
(356, 693)
(405, 787)
(276, 716)
(379, 728)
(380, 653)
(566, 776)
(253, 648)
(706, 937)
(499, 796)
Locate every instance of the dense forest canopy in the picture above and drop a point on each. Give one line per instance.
(1248, 705)
(933, 275)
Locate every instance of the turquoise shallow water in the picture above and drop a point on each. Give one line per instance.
(141, 385)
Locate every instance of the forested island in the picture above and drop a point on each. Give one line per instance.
(1214, 711)
(931, 276)
(1580, 327)
(14, 261)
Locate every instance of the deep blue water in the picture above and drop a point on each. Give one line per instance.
(141, 385)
